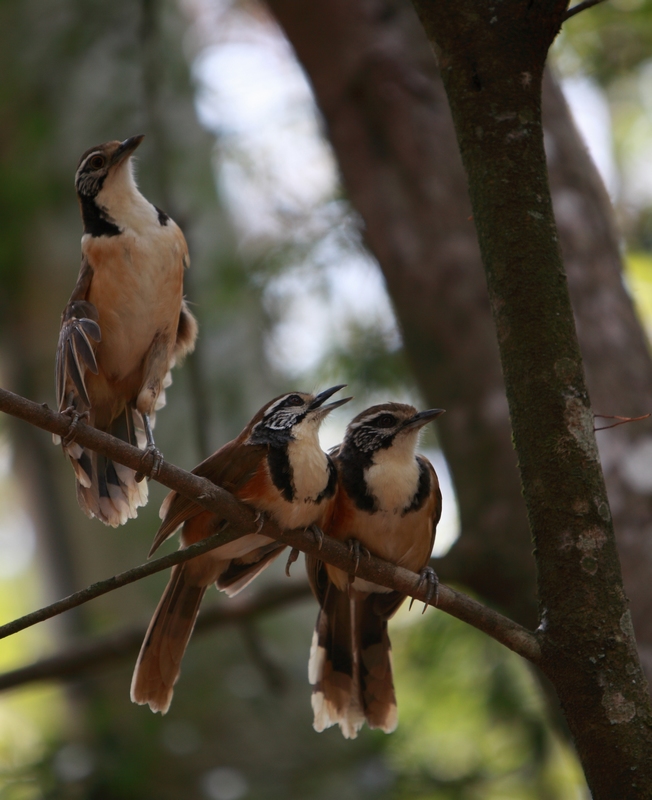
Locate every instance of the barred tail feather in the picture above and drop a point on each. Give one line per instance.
(332, 667)
(350, 666)
(159, 662)
(105, 489)
(375, 666)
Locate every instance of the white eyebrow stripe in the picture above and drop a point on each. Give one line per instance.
(367, 420)
(292, 409)
(275, 405)
(87, 159)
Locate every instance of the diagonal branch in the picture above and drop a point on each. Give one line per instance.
(105, 650)
(580, 7)
(116, 582)
(241, 519)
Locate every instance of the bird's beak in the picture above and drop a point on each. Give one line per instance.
(423, 418)
(318, 402)
(126, 148)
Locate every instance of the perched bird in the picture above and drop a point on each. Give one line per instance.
(125, 326)
(277, 466)
(388, 503)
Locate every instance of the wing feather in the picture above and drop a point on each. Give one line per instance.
(75, 371)
(83, 349)
(231, 467)
(78, 340)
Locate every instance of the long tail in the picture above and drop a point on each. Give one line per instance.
(332, 667)
(107, 490)
(159, 662)
(350, 666)
(374, 654)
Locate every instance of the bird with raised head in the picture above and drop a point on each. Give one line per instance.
(387, 503)
(277, 466)
(125, 326)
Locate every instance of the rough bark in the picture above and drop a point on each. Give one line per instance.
(492, 66)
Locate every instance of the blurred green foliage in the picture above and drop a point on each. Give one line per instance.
(473, 723)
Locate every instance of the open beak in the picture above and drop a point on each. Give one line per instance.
(126, 148)
(423, 418)
(318, 402)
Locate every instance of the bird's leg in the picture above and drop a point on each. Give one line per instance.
(356, 550)
(429, 576)
(317, 535)
(151, 451)
(294, 555)
(260, 521)
(75, 417)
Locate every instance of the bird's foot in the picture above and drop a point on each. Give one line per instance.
(75, 417)
(259, 521)
(428, 576)
(317, 535)
(150, 463)
(356, 550)
(294, 555)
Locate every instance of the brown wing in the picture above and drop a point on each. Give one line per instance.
(231, 467)
(435, 498)
(78, 340)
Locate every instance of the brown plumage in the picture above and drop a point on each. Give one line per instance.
(276, 465)
(387, 501)
(125, 326)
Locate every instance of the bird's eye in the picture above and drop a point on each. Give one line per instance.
(97, 162)
(384, 421)
(294, 400)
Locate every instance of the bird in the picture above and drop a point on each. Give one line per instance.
(125, 326)
(277, 466)
(388, 503)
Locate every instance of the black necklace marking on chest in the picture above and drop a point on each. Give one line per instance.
(96, 221)
(163, 218)
(422, 492)
(352, 474)
(280, 470)
(329, 491)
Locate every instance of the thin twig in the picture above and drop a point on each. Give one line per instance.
(115, 582)
(243, 519)
(622, 420)
(105, 650)
(580, 7)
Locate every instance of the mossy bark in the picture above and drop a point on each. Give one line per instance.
(491, 58)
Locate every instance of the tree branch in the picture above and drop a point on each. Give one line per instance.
(116, 582)
(580, 7)
(106, 649)
(242, 519)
